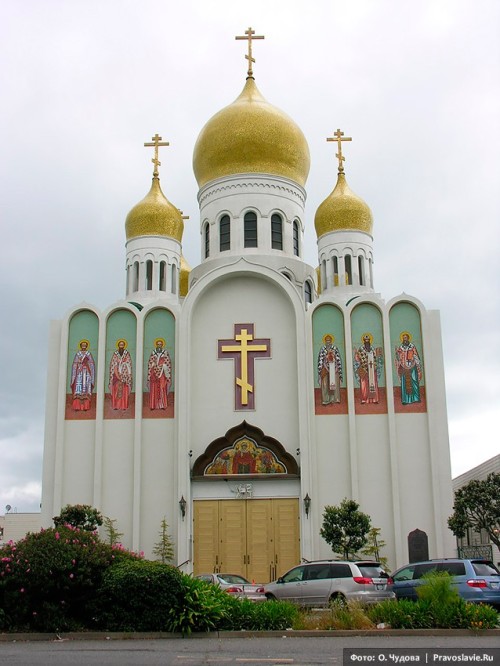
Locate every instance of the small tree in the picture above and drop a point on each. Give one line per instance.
(477, 506)
(82, 516)
(374, 545)
(345, 528)
(113, 536)
(164, 548)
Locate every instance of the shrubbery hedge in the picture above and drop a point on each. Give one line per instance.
(137, 595)
(67, 579)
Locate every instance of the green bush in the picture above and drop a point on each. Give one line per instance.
(429, 613)
(137, 595)
(403, 614)
(480, 616)
(205, 607)
(48, 579)
(202, 607)
(266, 615)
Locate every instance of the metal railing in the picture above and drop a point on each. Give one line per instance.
(485, 552)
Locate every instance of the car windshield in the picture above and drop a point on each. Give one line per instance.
(485, 569)
(233, 580)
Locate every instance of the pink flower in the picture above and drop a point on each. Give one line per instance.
(21, 590)
(72, 575)
(57, 535)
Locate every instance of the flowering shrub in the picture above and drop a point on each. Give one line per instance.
(48, 578)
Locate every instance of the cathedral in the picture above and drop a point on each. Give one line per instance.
(239, 398)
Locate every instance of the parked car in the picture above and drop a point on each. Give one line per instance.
(235, 585)
(321, 582)
(476, 580)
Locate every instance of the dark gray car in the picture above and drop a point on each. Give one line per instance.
(476, 580)
(322, 582)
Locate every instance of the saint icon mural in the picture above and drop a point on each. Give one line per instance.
(409, 369)
(120, 376)
(368, 362)
(159, 375)
(329, 371)
(82, 380)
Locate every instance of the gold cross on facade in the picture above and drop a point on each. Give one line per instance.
(156, 143)
(338, 136)
(244, 348)
(249, 35)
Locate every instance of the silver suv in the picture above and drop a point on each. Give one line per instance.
(322, 582)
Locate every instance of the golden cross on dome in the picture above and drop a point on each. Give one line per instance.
(184, 217)
(338, 136)
(249, 35)
(156, 143)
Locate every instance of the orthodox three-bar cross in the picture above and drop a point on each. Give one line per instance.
(338, 136)
(156, 143)
(249, 35)
(244, 349)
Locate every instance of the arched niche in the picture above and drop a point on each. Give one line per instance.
(329, 360)
(370, 394)
(408, 366)
(81, 370)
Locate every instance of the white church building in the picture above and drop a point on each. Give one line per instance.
(238, 399)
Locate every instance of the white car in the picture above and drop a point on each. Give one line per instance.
(325, 581)
(235, 585)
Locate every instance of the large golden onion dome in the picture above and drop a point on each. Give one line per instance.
(184, 272)
(154, 216)
(343, 210)
(251, 136)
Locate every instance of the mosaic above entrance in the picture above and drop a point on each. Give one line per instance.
(245, 451)
(245, 457)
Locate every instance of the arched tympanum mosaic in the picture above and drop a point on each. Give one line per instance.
(245, 451)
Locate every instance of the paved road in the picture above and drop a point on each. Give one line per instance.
(252, 651)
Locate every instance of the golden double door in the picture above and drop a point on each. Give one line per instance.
(256, 538)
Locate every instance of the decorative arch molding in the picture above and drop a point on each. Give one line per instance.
(260, 455)
(224, 187)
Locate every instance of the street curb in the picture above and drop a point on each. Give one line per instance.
(219, 635)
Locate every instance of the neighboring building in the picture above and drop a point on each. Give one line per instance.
(238, 399)
(478, 544)
(15, 526)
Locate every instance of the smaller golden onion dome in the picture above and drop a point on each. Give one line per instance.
(184, 272)
(154, 216)
(343, 210)
(251, 136)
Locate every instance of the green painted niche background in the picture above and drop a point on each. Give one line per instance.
(159, 323)
(328, 319)
(83, 325)
(366, 318)
(121, 324)
(405, 317)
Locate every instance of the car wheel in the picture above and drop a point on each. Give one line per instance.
(271, 597)
(337, 601)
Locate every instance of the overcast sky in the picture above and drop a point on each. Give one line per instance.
(84, 83)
